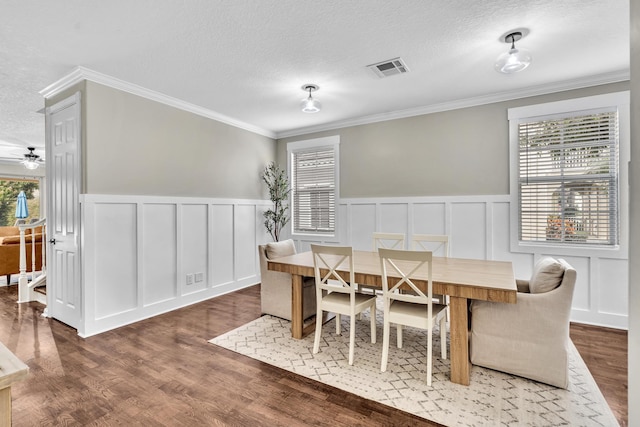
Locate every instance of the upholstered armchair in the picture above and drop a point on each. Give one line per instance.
(275, 287)
(530, 338)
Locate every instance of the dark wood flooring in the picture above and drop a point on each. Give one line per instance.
(162, 371)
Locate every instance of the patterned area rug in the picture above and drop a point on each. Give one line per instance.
(493, 398)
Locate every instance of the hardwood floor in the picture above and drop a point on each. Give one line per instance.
(162, 371)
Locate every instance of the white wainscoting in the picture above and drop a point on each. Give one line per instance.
(478, 227)
(138, 250)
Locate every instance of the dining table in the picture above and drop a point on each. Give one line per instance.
(462, 279)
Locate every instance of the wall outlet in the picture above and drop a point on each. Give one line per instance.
(199, 277)
(189, 279)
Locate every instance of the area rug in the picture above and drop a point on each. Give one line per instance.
(493, 398)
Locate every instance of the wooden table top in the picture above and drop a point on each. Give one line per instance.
(459, 277)
(12, 369)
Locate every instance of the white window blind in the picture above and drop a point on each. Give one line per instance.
(313, 182)
(568, 179)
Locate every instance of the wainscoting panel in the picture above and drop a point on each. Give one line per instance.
(159, 257)
(613, 299)
(468, 230)
(220, 242)
(245, 241)
(138, 250)
(393, 219)
(479, 227)
(116, 274)
(362, 224)
(194, 241)
(429, 218)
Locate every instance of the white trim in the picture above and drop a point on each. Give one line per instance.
(620, 100)
(601, 79)
(81, 73)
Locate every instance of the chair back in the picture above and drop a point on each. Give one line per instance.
(333, 268)
(435, 243)
(404, 268)
(388, 240)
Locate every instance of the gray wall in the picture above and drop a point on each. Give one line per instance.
(634, 238)
(458, 152)
(141, 147)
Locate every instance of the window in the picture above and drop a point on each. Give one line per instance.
(567, 172)
(314, 178)
(9, 190)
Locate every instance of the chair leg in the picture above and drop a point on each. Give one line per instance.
(316, 341)
(337, 324)
(429, 355)
(352, 337)
(385, 345)
(399, 336)
(443, 337)
(372, 313)
(446, 301)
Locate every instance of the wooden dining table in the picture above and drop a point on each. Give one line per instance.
(460, 278)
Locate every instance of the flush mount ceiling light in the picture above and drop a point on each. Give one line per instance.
(31, 159)
(310, 105)
(515, 59)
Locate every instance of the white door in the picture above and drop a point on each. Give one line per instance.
(63, 211)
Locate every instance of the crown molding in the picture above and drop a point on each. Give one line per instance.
(545, 89)
(81, 73)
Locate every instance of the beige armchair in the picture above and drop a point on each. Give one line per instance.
(530, 338)
(275, 287)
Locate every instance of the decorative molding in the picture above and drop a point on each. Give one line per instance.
(544, 89)
(154, 279)
(81, 73)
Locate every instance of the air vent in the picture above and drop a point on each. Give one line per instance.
(389, 68)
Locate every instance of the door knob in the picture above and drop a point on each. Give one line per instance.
(52, 241)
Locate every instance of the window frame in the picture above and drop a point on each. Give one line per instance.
(332, 142)
(618, 100)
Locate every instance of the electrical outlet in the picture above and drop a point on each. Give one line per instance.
(199, 277)
(189, 279)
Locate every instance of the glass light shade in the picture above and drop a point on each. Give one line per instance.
(513, 61)
(310, 105)
(30, 164)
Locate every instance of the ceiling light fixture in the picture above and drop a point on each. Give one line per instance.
(310, 105)
(515, 59)
(31, 159)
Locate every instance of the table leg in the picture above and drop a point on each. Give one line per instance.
(5, 407)
(297, 321)
(460, 365)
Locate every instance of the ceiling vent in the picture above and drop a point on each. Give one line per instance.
(389, 68)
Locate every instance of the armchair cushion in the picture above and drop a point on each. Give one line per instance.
(280, 249)
(547, 275)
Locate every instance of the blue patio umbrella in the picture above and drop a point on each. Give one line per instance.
(21, 206)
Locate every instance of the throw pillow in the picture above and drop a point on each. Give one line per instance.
(547, 275)
(280, 249)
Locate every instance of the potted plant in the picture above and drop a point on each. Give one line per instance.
(278, 185)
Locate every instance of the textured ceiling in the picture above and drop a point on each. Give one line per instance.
(247, 60)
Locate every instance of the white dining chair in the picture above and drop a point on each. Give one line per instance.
(438, 244)
(416, 308)
(386, 241)
(336, 293)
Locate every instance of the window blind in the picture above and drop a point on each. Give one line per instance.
(313, 190)
(568, 179)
